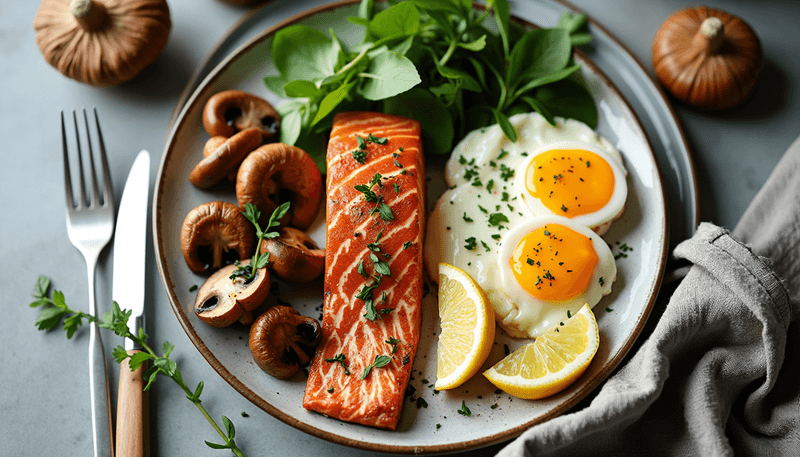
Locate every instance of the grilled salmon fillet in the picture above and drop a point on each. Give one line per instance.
(373, 269)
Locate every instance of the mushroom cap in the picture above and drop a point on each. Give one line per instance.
(211, 145)
(224, 158)
(282, 340)
(221, 301)
(214, 234)
(294, 256)
(102, 43)
(231, 111)
(276, 173)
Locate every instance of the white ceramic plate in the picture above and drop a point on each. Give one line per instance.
(643, 227)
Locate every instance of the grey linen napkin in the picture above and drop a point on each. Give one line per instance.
(720, 373)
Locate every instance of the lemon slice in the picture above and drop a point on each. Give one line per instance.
(467, 321)
(551, 363)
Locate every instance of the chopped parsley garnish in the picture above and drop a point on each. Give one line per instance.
(483, 210)
(608, 310)
(490, 185)
(379, 362)
(438, 426)
(330, 390)
(396, 187)
(587, 164)
(467, 218)
(377, 140)
(394, 342)
(398, 164)
(362, 142)
(385, 211)
(193, 287)
(494, 406)
(464, 411)
(496, 236)
(530, 261)
(563, 208)
(601, 281)
(360, 155)
(340, 358)
(506, 172)
(485, 246)
(569, 314)
(505, 197)
(503, 153)
(381, 267)
(496, 219)
(407, 244)
(360, 269)
(374, 246)
(471, 243)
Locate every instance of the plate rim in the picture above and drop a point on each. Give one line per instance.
(589, 386)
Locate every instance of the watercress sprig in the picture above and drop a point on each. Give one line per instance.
(54, 309)
(438, 61)
(259, 261)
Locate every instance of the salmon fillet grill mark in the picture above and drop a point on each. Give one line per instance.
(363, 243)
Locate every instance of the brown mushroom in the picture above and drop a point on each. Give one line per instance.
(224, 158)
(231, 111)
(282, 340)
(215, 234)
(276, 173)
(294, 256)
(221, 301)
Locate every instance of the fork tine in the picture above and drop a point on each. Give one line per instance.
(67, 176)
(83, 200)
(95, 192)
(108, 188)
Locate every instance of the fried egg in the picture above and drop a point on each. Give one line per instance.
(549, 267)
(576, 180)
(488, 200)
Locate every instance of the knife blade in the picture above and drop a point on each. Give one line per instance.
(130, 248)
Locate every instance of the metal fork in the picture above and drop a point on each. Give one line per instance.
(90, 225)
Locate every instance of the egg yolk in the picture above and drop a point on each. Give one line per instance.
(554, 262)
(570, 182)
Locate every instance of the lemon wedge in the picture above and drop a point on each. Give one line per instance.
(467, 321)
(552, 362)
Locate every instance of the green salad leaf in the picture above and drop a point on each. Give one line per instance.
(452, 66)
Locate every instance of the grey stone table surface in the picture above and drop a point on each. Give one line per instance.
(44, 400)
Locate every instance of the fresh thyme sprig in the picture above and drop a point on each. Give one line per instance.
(54, 309)
(258, 261)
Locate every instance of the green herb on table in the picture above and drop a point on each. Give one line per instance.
(54, 309)
(435, 61)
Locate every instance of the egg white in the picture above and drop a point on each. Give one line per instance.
(522, 314)
(600, 220)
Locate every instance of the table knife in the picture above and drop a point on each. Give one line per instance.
(130, 248)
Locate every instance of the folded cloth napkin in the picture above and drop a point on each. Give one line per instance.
(720, 373)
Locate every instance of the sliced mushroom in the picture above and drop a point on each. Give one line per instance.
(282, 340)
(216, 234)
(276, 173)
(224, 158)
(231, 111)
(221, 301)
(294, 256)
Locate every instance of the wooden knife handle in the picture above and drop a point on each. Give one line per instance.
(132, 412)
